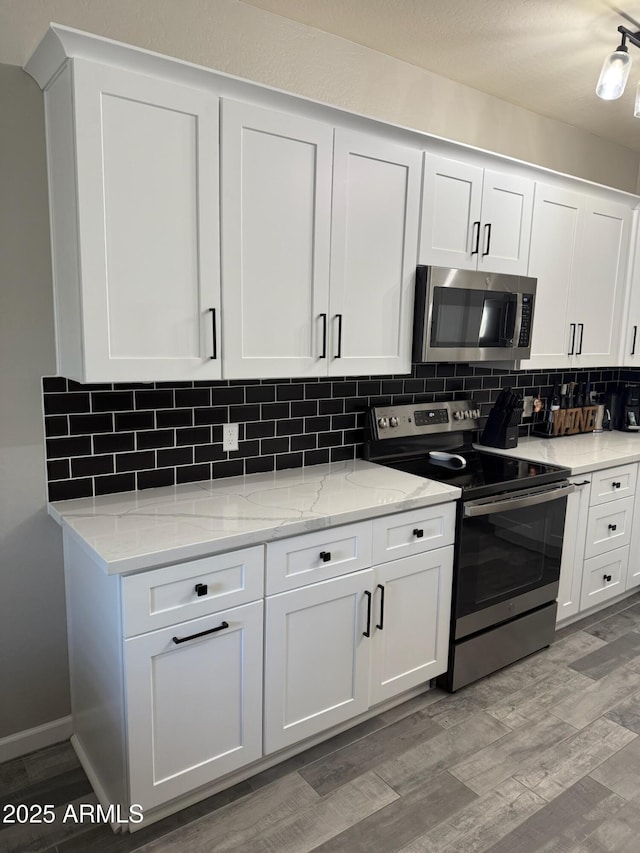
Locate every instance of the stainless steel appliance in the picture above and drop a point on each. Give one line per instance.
(470, 316)
(510, 524)
(624, 404)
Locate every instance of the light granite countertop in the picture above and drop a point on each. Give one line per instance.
(581, 453)
(130, 531)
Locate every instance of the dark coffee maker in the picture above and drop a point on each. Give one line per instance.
(625, 407)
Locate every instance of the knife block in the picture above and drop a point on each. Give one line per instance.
(501, 431)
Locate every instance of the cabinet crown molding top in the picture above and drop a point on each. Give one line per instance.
(61, 43)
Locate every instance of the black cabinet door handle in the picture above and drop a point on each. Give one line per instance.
(613, 527)
(418, 533)
(325, 556)
(367, 633)
(323, 354)
(215, 334)
(339, 353)
(221, 627)
(633, 345)
(572, 326)
(487, 239)
(381, 622)
(476, 238)
(606, 578)
(201, 589)
(581, 327)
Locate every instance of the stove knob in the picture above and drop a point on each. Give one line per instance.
(458, 416)
(476, 413)
(383, 423)
(393, 422)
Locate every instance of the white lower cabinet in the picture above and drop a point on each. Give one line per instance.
(573, 545)
(603, 518)
(185, 674)
(194, 703)
(316, 658)
(604, 577)
(410, 633)
(335, 648)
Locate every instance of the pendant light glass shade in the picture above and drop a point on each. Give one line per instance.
(614, 74)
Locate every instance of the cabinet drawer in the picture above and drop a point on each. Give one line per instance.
(604, 577)
(162, 597)
(312, 557)
(613, 484)
(609, 527)
(406, 533)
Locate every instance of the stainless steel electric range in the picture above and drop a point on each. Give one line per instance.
(510, 524)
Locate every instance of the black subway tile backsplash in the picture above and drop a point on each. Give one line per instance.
(93, 431)
(64, 404)
(128, 421)
(111, 401)
(114, 443)
(135, 461)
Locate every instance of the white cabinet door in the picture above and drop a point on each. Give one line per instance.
(633, 570)
(276, 211)
(597, 291)
(507, 207)
(474, 218)
(555, 233)
(411, 614)
(573, 545)
(374, 246)
(147, 218)
(631, 324)
(451, 209)
(316, 658)
(193, 707)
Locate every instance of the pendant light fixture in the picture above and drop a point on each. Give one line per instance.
(615, 70)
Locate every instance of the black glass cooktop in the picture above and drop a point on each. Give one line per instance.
(483, 474)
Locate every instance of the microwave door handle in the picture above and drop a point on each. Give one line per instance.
(486, 506)
(509, 319)
(517, 324)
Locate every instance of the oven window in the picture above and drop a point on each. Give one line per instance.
(507, 553)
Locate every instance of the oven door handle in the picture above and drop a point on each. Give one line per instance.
(485, 506)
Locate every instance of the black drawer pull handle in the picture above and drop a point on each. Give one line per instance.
(613, 527)
(201, 589)
(367, 633)
(380, 624)
(616, 485)
(607, 578)
(418, 533)
(221, 627)
(325, 556)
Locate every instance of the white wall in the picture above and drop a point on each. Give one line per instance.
(33, 658)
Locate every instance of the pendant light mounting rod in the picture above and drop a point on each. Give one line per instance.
(626, 33)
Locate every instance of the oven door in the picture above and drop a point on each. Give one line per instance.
(509, 553)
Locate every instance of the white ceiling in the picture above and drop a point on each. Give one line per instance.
(543, 55)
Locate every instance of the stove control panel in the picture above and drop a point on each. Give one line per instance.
(415, 419)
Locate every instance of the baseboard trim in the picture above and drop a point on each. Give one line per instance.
(21, 743)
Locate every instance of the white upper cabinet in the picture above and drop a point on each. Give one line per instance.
(631, 325)
(276, 231)
(598, 295)
(319, 247)
(133, 190)
(374, 247)
(578, 255)
(474, 218)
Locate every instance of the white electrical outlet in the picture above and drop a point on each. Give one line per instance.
(230, 436)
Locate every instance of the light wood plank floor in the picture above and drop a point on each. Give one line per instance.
(542, 756)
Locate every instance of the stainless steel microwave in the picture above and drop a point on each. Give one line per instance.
(466, 315)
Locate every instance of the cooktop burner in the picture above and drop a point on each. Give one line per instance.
(434, 440)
